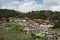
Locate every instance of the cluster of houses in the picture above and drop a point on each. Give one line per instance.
(32, 25)
(35, 25)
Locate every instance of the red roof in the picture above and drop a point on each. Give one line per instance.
(1, 22)
(3, 18)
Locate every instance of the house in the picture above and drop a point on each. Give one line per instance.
(1, 24)
(11, 19)
(17, 21)
(38, 21)
(3, 19)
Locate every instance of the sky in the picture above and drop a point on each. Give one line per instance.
(30, 5)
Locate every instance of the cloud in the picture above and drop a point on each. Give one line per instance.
(30, 5)
(51, 1)
(27, 5)
(11, 5)
(55, 8)
(53, 5)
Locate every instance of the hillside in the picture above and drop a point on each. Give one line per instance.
(8, 13)
(43, 14)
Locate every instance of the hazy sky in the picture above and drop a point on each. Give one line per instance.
(30, 5)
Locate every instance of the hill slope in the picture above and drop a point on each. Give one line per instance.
(44, 14)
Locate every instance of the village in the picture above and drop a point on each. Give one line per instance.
(36, 24)
(39, 27)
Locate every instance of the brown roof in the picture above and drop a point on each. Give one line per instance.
(11, 18)
(26, 18)
(38, 20)
(47, 21)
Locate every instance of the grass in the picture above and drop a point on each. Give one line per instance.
(16, 33)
